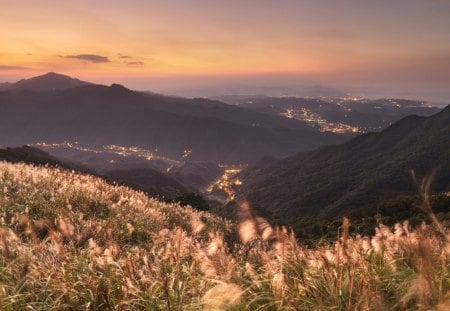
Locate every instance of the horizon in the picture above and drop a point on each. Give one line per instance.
(210, 48)
(188, 93)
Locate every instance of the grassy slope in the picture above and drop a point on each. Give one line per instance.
(71, 241)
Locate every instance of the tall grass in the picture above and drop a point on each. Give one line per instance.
(74, 242)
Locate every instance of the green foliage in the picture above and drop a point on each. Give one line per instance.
(364, 221)
(194, 200)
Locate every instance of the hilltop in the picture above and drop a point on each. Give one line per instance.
(50, 81)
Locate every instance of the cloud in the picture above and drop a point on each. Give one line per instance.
(90, 58)
(124, 56)
(137, 63)
(7, 67)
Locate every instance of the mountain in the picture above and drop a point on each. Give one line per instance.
(48, 82)
(98, 115)
(333, 181)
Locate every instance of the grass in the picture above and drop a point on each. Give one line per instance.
(71, 241)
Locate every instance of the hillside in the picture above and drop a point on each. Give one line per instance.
(71, 241)
(31, 155)
(146, 179)
(151, 181)
(360, 174)
(97, 115)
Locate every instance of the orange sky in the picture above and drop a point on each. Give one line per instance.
(346, 41)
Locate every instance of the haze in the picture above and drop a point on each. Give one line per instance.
(203, 48)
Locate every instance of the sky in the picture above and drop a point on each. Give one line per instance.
(390, 47)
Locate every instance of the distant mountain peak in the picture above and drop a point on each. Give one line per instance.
(118, 86)
(50, 81)
(119, 89)
(52, 74)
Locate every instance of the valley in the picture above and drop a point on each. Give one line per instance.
(112, 158)
(315, 120)
(348, 115)
(123, 151)
(224, 188)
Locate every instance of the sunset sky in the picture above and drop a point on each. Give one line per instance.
(397, 45)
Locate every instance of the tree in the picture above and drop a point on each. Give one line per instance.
(194, 200)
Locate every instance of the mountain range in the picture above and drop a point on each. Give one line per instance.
(56, 108)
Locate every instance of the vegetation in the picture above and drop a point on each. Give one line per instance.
(370, 169)
(364, 221)
(71, 241)
(194, 200)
